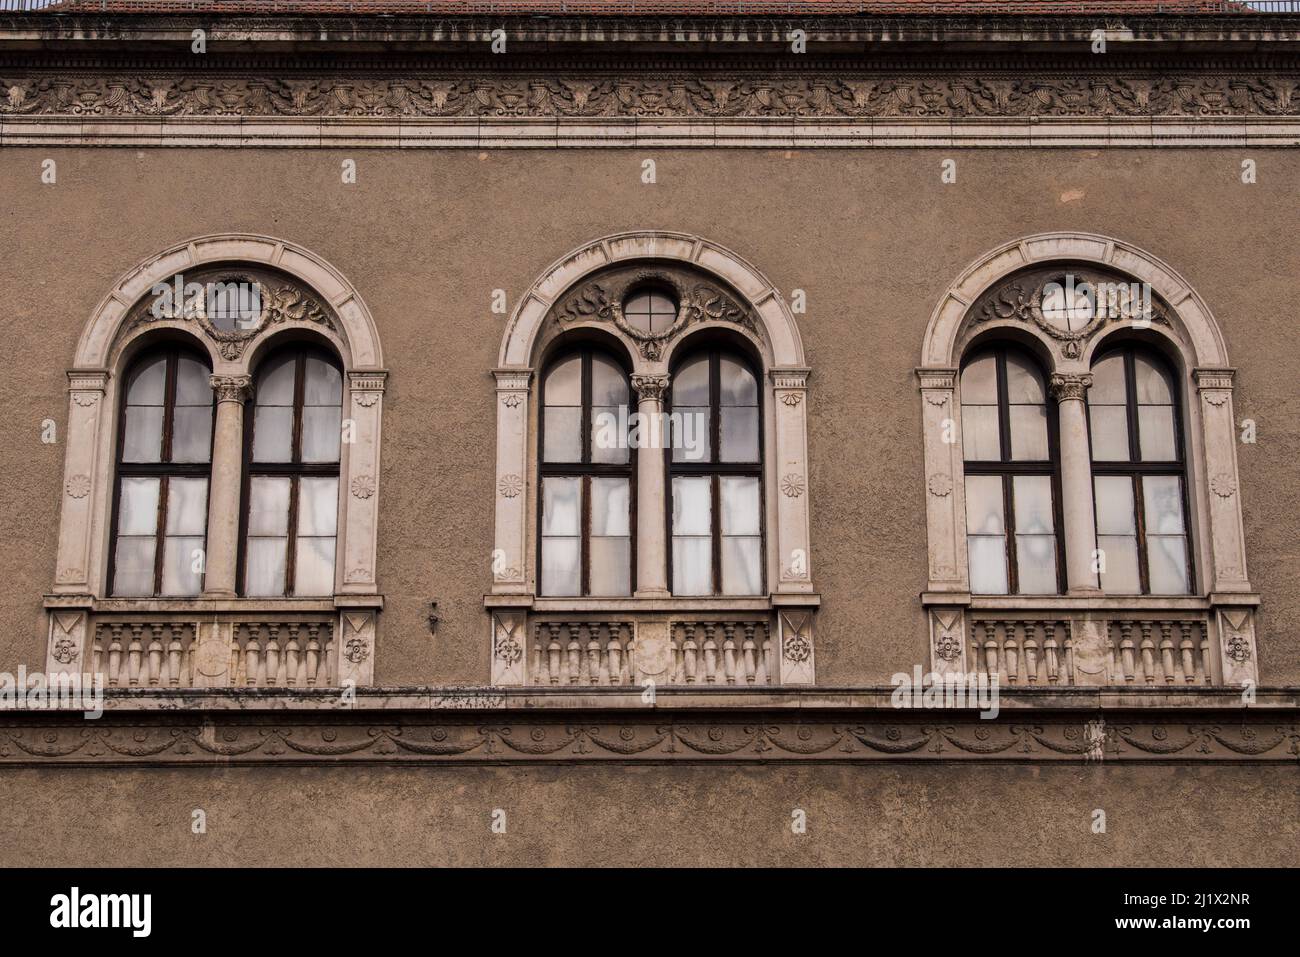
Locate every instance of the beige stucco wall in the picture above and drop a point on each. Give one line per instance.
(425, 236)
(936, 815)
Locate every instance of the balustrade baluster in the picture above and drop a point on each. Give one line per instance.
(313, 654)
(1187, 651)
(689, 652)
(1126, 649)
(747, 653)
(1148, 652)
(1031, 652)
(1167, 651)
(710, 653)
(291, 656)
(1011, 649)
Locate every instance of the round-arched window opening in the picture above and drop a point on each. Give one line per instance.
(650, 310)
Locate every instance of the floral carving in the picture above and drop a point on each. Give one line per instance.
(85, 399)
(947, 647)
(629, 95)
(1237, 647)
(365, 399)
(509, 650)
(792, 398)
(65, 651)
(1223, 485)
(940, 484)
(510, 485)
(356, 650)
(798, 648)
(511, 400)
(78, 486)
(363, 486)
(792, 485)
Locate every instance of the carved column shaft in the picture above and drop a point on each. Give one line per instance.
(1219, 433)
(509, 561)
(223, 491)
(84, 492)
(360, 488)
(945, 498)
(790, 430)
(651, 501)
(1077, 510)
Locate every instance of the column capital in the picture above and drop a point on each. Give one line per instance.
(790, 377)
(1214, 379)
(513, 379)
(936, 378)
(1070, 386)
(373, 380)
(88, 380)
(650, 387)
(231, 388)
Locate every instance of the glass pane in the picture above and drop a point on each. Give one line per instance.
(736, 383)
(1109, 425)
(182, 565)
(612, 431)
(610, 507)
(138, 507)
(979, 382)
(561, 506)
(1033, 504)
(690, 433)
(650, 311)
(187, 506)
(1156, 433)
(1108, 382)
(608, 383)
(314, 566)
(133, 566)
(268, 510)
(692, 506)
(984, 505)
(264, 566)
(1120, 574)
(741, 574)
(192, 385)
(1024, 383)
(1029, 433)
(143, 439)
(1162, 500)
(321, 431)
(1167, 564)
(987, 556)
(1067, 305)
(324, 385)
(273, 434)
(1036, 564)
(611, 566)
(691, 383)
(980, 439)
(191, 433)
(1114, 494)
(562, 436)
(739, 434)
(1152, 383)
(739, 503)
(275, 381)
(560, 573)
(692, 566)
(148, 383)
(564, 383)
(318, 504)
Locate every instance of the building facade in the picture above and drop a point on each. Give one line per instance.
(426, 418)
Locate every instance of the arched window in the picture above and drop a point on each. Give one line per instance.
(164, 460)
(292, 477)
(1139, 475)
(716, 467)
(650, 310)
(586, 499)
(1009, 446)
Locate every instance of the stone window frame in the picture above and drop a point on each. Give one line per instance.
(761, 318)
(109, 343)
(1190, 336)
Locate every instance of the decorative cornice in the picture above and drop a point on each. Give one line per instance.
(483, 726)
(794, 95)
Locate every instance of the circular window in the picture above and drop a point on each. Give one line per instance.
(1069, 305)
(650, 310)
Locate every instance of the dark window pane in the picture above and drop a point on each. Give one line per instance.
(1162, 499)
(561, 506)
(984, 514)
(1120, 572)
(740, 505)
(980, 438)
(1152, 383)
(314, 566)
(187, 506)
(191, 433)
(192, 383)
(610, 507)
(741, 574)
(1033, 503)
(611, 565)
(738, 429)
(608, 383)
(1109, 424)
(1024, 383)
(1114, 496)
(148, 383)
(268, 511)
(650, 312)
(1036, 564)
(182, 565)
(273, 434)
(690, 433)
(265, 566)
(692, 506)
(275, 381)
(692, 565)
(321, 433)
(1028, 425)
(1156, 433)
(143, 439)
(318, 502)
(1167, 564)
(564, 383)
(987, 557)
(561, 572)
(1108, 382)
(979, 382)
(562, 438)
(133, 563)
(138, 507)
(611, 429)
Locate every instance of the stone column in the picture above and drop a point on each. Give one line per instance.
(1219, 435)
(86, 492)
(1070, 391)
(945, 495)
(509, 554)
(790, 470)
(359, 488)
(222, 552)
(651, 491)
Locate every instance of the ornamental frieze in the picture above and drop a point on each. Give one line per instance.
(829, 95)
